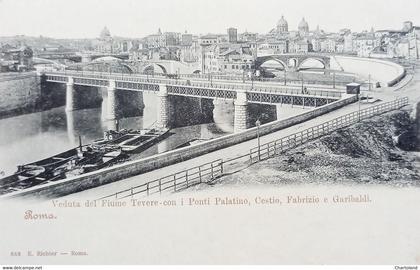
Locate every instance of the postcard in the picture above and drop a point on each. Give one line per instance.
(183, 132)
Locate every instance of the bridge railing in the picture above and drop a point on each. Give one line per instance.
(330, 80)
(208, 172)
(145, 79)
(273, 148)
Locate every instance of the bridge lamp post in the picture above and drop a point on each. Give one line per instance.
(258, 124)
(334, 80)
(360, 92)
(302, 85)
(285, 77)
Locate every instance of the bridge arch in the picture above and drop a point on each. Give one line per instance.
(315, 60)
(105, 66)
(41, 61)
(294, 62)
(272, 58)
(151, 68)
(105, 59)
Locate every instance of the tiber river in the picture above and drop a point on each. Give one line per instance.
(31, 137)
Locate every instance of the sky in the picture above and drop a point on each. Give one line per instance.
(138, 18)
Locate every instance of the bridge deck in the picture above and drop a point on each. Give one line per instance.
(258, 93)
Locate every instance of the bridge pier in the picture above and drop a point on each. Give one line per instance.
(164, 108)
(241, 118)
(111, 101)
(70, 99)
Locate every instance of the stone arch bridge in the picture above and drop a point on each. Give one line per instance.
(293, 62)
(116, 65)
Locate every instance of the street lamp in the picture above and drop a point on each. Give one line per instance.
(359, 103)
(285, 74)
(302, 86)
(258, 124)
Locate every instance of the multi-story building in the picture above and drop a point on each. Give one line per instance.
(186, 39)
(232, 35)
(273, 46)
(316, 44)
(227, 58)
(208, 40)
(191, 52)
(172, 38)
(365, 44)
(248, 37)
(413, 38)
(348, 43)
(328, 45)
(156, 40)
(15, 59)
(300, 45)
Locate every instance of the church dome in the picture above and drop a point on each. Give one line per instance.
(282, 22)
(303, 25)
(282, 25)
(105, 33)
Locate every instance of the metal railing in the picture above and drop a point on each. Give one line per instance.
(144, 79)
(281, 145)
(204, 173)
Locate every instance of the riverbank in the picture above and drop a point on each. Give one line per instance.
(20, 92)
(364, 153)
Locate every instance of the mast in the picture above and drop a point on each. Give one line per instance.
(80, 142)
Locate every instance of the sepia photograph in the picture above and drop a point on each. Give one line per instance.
(199, 132)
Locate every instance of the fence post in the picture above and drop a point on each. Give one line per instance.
(275, 148)
(131, 192)
(186, 177)
(199, 174)
(174, 182)
(221, 166)
(160, 185)
(147, 189)
(212, 176)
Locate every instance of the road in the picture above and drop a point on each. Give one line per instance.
(408, 87)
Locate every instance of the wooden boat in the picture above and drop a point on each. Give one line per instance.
(88, 157)
(105, 159)
(132, 141)
(22, 179)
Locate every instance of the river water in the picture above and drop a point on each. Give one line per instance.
(30, 137)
